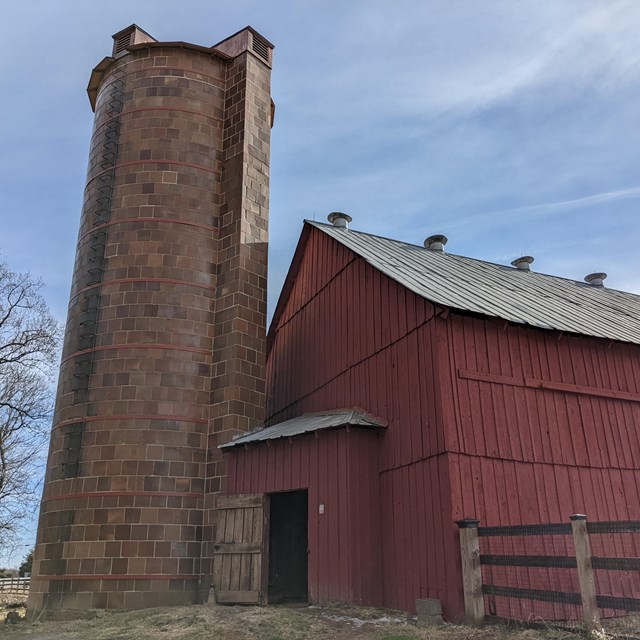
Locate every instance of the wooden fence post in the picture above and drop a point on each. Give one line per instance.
(585, 571)
(471, 571)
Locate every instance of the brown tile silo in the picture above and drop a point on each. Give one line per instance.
(164, 349)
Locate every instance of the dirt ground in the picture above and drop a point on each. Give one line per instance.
(339, 622)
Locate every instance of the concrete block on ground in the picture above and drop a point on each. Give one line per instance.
(429, 612)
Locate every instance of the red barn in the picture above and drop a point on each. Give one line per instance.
(409, 388)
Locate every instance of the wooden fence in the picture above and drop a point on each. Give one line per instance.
(15, 585)
(575, 581)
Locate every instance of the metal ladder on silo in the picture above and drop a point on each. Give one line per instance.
(90, 300)
(94, 272)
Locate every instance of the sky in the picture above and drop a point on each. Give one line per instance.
(511, 126)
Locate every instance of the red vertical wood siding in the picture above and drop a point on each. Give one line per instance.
(541, 454)
(352, 338)
(339, 469)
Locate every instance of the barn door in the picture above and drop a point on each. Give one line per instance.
(239, 571)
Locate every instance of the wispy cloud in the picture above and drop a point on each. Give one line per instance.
(548, 208)
(594, 46)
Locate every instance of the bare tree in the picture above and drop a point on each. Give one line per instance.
(29, 337)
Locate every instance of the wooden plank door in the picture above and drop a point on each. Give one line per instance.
(241, 549)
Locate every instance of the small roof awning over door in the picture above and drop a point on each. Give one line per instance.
(308, 423)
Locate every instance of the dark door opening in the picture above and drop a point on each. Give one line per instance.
(288, 547)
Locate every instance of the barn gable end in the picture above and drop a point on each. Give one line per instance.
(343, 335)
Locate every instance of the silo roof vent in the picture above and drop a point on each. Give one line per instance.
(595, 279)
(123, 41)
(260, 47)
(247, 39)
(133, 34)
(523, 263)
(436, 242)
(339, 219)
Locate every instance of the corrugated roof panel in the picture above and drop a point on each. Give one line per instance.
(308, 423)
(524, 297)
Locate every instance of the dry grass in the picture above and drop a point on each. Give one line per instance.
(628, 626)
(263, 623)
(11, 600)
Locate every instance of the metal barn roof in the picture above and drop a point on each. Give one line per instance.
(524, 297)
(308, 423)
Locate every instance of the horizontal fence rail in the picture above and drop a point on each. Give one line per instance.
(625, 526)
(529, 561)
(526, 530)
(588, 570)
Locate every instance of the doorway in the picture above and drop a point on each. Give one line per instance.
(288, 543)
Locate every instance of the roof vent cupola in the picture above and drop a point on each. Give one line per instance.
(339, 219)
(523, 263)
(595, 279)
(436, 242)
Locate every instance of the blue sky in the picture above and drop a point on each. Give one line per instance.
(512, 127)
